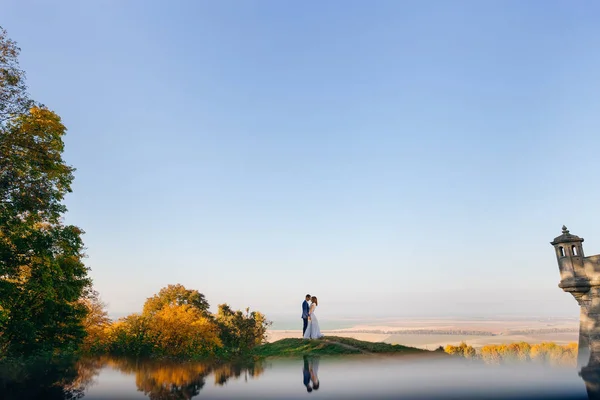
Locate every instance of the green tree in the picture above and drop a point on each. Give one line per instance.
(132, 335)
(13, 91)
(42, 276)
(240, 331)
(175, 295)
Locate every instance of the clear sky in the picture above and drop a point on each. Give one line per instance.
(392, 157)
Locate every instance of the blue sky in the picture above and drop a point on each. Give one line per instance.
(393, 157)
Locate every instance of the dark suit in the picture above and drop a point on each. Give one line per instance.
(305, 310)
(306, 372)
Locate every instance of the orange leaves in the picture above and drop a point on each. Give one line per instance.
(181, 329)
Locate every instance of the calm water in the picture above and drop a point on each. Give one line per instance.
(357, 377)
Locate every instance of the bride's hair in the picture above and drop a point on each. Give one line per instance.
(314, 300)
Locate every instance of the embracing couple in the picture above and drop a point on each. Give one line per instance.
(310, 328)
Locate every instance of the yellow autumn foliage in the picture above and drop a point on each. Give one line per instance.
(96, 324)
(174, 323)
(183, 329)
(550, 353)
(461, 350)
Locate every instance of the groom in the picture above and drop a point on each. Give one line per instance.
(305, 309)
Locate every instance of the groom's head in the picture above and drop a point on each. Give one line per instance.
(307, 297)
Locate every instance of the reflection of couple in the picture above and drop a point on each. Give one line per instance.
(310, 327)
(309, 372)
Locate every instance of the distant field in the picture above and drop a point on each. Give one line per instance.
(495, 326)
(274, 336)
(431, 333)
(433, 341)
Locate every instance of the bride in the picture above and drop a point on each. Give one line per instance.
(312, 330)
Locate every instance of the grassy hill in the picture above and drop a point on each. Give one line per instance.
(330, 345)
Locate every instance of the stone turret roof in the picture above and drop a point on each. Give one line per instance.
(566, 237)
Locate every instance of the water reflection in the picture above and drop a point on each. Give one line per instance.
(123, 378)
(225, 372)
(163, 380)
(157, 380)
(310, 373)
(65, 380)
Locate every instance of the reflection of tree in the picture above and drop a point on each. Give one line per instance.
(225, 372)
(65, 380)
(171, 382)
(159, 380)
(163, 380)
(87, 370)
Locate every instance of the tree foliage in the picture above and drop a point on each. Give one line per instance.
(96, 322)
(13, 91)
(547, 352)
(241, 331)
(175, 295)
(130, 336)
(461, 350)
(176, 323)
(183, 329)
(42, 276)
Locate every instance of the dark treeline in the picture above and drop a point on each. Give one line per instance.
(540, 331)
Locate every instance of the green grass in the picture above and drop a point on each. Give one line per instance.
(377, 347)
(330, 345)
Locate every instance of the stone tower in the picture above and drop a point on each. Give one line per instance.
(580, 276)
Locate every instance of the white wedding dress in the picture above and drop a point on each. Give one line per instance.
(312, 330)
